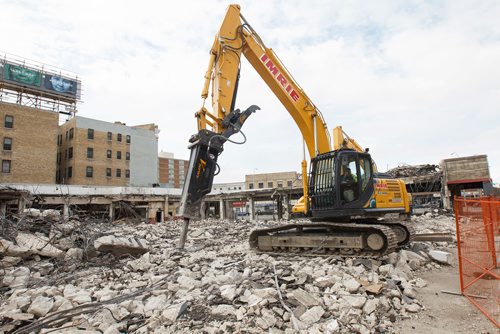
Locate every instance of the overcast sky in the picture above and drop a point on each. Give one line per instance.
(415, 81)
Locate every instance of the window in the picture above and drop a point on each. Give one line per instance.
(90, 152)
(250, 186)
(289, 184)
(365, 169)
(127, 173)
(58, 157)
(6, 164)
(108, 172)
(71, 133)
(110, 136)
(7, 143)
(109, 154)
(59, 140)
(90, 171)
(261, 185)
(118, 172)
(119, 137)
(127, 139)
(9, 123)
(90, 134)
(70, 152)
(280, 184)
(66, 135)
(127, 155)
(118, 154)
(70, 172)
(270, 184)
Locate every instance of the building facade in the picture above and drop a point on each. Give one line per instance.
(465, 176)
(94, 152)
(172, 171)
(219, 188)
(29, 144)
(273, 180)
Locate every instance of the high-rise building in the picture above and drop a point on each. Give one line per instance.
(94, 152)
(29, 144)
(172, 171)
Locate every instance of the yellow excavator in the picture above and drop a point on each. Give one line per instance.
(344, 195)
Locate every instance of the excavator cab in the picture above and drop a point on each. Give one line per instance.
(340, 184)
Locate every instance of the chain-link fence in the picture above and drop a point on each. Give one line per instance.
(478, 236)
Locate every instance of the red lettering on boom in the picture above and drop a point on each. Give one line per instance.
(279, 77)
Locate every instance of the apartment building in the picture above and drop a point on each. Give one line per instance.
(29, 144)
(94, 152)
(273, 180)
(172, 171)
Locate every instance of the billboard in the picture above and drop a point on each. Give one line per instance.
(40, 81)
(21, 75)
(58, 84)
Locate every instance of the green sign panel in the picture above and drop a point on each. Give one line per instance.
(22, 75)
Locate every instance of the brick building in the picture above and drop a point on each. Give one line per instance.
(172, 171)
(273, 180)
(29, 144)
(93, 152)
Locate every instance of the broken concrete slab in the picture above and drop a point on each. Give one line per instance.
(312, 315)
(9, 248)
(441, 257)
(304, 298)
(172, 312)
(38, 245)
(41, 306)
(121, 245)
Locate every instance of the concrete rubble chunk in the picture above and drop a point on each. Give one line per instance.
(312, 315)
(38, 245)
(304, 298)
(155, 303)
(355, 301)
(141, 264)
(351, 285)
(9, 248)
(74, 254)
(370, 306)
(51, 214)
(228, 292)
(18, 315)
(441, 257)
(223, 310)
(41, 306)
(173, 312)
(332, 327)
(121, 245)
(17, 278)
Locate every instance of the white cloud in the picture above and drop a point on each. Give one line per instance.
(414, 81)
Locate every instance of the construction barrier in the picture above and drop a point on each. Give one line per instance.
(478, 237)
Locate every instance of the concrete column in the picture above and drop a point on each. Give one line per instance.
(3, 208)
(286, 214)
(165, 209)
(66, 211)
(222, 213)
(203, 210)
(20, 205)
(252, 208)
(111, 212)
(279, 207)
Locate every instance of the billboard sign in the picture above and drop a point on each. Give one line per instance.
(21, 75)
(58, 84)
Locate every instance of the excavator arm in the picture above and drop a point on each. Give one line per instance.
(236, 38)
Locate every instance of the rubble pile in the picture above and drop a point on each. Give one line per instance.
(416, 170)
(119, 278)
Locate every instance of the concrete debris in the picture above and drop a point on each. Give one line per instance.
(441, 257)
(215, 285)
(121, 245)
(417, 170)
(38, 245)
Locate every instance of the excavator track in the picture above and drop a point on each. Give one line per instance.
(351, 239)
(405, 232)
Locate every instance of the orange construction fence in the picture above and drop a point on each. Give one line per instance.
(478, 237)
